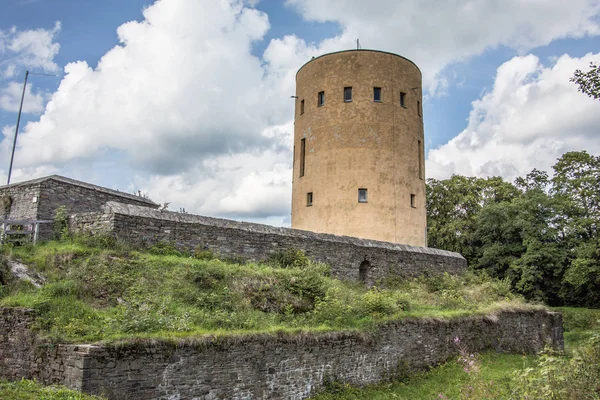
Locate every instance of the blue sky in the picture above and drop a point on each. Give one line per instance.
(498, 99)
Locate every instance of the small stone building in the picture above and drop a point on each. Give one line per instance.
(38, 199)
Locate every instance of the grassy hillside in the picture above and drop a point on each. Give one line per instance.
(105, 291)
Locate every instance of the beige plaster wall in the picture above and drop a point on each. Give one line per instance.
(360, 144)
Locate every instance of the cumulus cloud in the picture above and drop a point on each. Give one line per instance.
(33, 49)
(206, 123)
(10, 98)
(435, 33)
(532, 115)
(182, 85)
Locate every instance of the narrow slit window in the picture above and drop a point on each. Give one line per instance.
(419, 107)
(403, 99)
(348, 94)
(321, 99)
(309, 199)
(377, 94)
(420, 150)
(301, 107)
(413, 201)
(362, 195)
(302, 156)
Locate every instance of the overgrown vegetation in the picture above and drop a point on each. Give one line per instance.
(550, 375)
(540, 233)
(98, 289)
(30, 390)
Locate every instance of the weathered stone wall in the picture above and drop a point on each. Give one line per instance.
(79, 198)
(279, 367)
(24, 202)
(256, 242)
(17, 343)
(23, 356)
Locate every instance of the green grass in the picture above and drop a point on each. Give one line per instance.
(572, 375)
(30, 390)
(103, 290)
(448, 380)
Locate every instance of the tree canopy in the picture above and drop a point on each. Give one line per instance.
(540, 233)
(588, 82)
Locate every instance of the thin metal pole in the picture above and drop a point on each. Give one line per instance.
(12, 156)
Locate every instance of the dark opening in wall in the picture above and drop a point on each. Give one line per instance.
(301, 107)
(377, 94)
(403, 99)
(309, 199)
(362, 195)
(348, 93)
(419, 107)
(302, 155)
(363, 271)
(321, 99)
(413, 201)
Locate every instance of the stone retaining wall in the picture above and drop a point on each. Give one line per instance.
(267, 366)
(347, 256)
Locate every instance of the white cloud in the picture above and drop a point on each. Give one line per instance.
(10, 98)
(33, 49)
(436, 33)
(206, 124)
(252, 186)
(531, 117)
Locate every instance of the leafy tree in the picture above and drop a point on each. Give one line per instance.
(589, 82)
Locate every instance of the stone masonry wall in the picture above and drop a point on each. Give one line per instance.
(277, 367)
(78, 198)
(24, 202)
(256, 242)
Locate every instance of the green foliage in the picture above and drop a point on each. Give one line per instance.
(31, 390)
(558, 377)
(589, 81)
(580, 319)
(164, 249)
(61, 223)
(99, 293)
(289, 258)
(540, 234)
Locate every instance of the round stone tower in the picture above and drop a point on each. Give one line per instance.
(358, 147)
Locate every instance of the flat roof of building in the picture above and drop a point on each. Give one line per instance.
(86, 185)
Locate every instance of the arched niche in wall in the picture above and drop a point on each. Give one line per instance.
(363, 271)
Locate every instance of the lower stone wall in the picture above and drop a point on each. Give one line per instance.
(350, 258)
(276, 367)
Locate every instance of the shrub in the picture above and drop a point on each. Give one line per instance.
(61, 223)
(289, 258)
(164, 249)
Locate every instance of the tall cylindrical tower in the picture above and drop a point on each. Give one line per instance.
(358, 147)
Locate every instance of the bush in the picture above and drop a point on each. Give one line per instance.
(289, 258)
(164, 249)
(558, 377)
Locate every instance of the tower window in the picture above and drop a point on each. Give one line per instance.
(301, 107)
(413, 201)
(362, 195)
(419, 107)
(348, 93)
(377, 94)
(302, 155)
(420, 150)
(309, 198)
(321, 99)
(403, 99)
